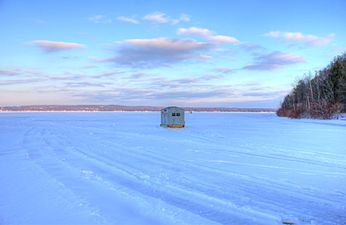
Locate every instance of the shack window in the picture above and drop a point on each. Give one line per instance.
(178, 114)
(173, 114)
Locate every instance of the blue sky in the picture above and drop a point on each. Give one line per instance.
(186, 53)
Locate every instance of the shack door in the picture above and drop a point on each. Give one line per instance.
(174, 118)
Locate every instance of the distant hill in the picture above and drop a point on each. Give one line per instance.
(320, 96)
(119, 108)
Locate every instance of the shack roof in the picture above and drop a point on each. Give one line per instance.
(172, 107)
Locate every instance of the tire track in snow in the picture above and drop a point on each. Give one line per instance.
(107, 172)
(68, 170)
(170, 197)
(176, 201)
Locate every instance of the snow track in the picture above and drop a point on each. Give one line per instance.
(122, 168)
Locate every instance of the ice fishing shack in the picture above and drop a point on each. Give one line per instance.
(172, 117)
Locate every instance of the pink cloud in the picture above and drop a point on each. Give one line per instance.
(274, 60)
(282, 58)
(195, 30)
(262, 67)
(207, 34)
(308, 39)
(160, 17)
(10, 72)
(223, 38)
(54, 46)
(166, 43)
(154, 52)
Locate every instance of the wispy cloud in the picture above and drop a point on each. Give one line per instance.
(100, 19)
(208, 77)
(188, 95)
(224, 70)
(223, 38)
(184, 18)
(157, 17)
(83, 84)
(191, 80)
(137, 75)
(18, 82)
(128, 19)
(10, 72)
(251, 47)
(264, 66)
(274, 60)
(298, 37)
(160, 17)
(153, 88)
(154, 17)
(22, 71)
(183, 91)
(195, 30)
(108, 74)
(18, 76)
(157, 52)
(207, 34)
(54, 46)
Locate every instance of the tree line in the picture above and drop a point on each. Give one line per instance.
(320, 96)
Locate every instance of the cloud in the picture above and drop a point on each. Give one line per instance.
(10, 72)
(100, 59)
(195, 30)
(99, 19)
(184, 18)
(298, 37)
(27, 72)
(65, 77)
(281, 58)
(224, 70)
(262, 67)
(109, 74)
(195, 96)
(189, 91)
(157, 17)
(207, 34)
(274, 60)
(154, 88)
(251, 47)
(83, 84)
(188, 95)
(192, 80)
(18, 76)
(18, 82)
(54, 46)
(160, 17)
(212, 77)
(128, 19)
(157, 52)
(137, 75)
(223, 38)
(265, 93)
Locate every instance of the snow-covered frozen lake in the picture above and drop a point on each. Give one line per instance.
(123, 168)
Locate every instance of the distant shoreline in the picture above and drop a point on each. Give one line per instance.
(130, 112)
(121, 108)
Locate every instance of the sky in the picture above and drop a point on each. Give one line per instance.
(186, 53)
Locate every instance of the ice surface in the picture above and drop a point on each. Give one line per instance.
(123, 168)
